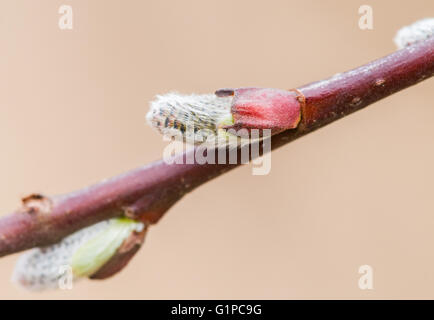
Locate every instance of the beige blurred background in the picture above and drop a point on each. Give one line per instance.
(357, 192)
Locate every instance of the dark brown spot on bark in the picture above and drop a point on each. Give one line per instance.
(37, 203)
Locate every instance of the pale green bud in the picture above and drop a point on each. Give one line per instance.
(92, 255)
(79, 255)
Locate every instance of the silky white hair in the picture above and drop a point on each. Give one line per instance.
(42, 268)
(190, 117)
(418, 31)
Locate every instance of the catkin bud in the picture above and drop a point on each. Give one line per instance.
(82, 254)
(194, 118)
(199, 117)
(418, 31)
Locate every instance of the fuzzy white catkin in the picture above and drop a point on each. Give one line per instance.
(418, 31)
(78, 255)
(41, 268)
(188, 116)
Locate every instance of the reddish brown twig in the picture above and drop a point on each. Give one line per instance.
(148, 192)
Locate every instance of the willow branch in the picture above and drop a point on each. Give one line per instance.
(148, 192)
